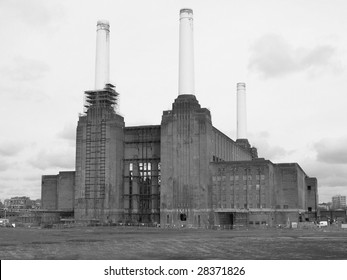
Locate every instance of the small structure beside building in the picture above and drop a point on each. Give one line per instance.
(18, 203)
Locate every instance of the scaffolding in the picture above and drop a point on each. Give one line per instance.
(100, 106)
(107, 97)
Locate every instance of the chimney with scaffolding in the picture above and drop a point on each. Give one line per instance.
(104, 93)
(99, 143)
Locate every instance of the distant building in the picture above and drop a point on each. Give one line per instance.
(324, 206)
(18, 203)
(36, 204)
(333, 215)
(339, 202)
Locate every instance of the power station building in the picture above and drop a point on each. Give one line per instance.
(183, 172)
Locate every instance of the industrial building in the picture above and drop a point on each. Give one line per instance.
(338, 201)
(183, 172)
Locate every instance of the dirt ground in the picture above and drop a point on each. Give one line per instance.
(124, 243)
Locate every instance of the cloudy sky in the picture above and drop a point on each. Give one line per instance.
(292, 55)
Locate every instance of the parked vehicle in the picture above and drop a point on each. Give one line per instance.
(323, 224)
(4, 222)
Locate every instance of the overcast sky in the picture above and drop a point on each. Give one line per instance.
(292, 55)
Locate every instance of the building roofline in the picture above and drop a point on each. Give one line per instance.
(213, 127)
(260, 161)
(142, 126)
(290, 164)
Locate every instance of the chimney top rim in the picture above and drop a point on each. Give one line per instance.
(103, 22)
(186, 10)
(241, 85)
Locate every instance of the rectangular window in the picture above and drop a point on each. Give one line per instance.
(257, 187)
(308, 188)
(213, 178)
(262, 177)
(249, 177)
(236, 177)
(245, 205)
(309, 209)
(285, 206)
(130, 173)
(231, 178)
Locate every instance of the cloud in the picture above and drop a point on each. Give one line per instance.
(68, 133)
(332, 150)
(17, 93)
(54, 159)
(25, 69)
(329, 175)
(272, 56)
(272, 152)
(31, 190)
(325, 194)
(38, 13)
(11, 148)
(4, 165)
(332, 178)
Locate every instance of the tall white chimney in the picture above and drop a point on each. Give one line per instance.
(241, 111)
(102, 60)
(186, 53)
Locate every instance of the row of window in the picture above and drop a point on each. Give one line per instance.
(145, 173)
(143, 166)
(257, 222)
(237, 178)
(240, 206)
(236, 187)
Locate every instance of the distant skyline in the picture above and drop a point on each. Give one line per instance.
(292, 55)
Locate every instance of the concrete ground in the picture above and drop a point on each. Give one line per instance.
(124, 243)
